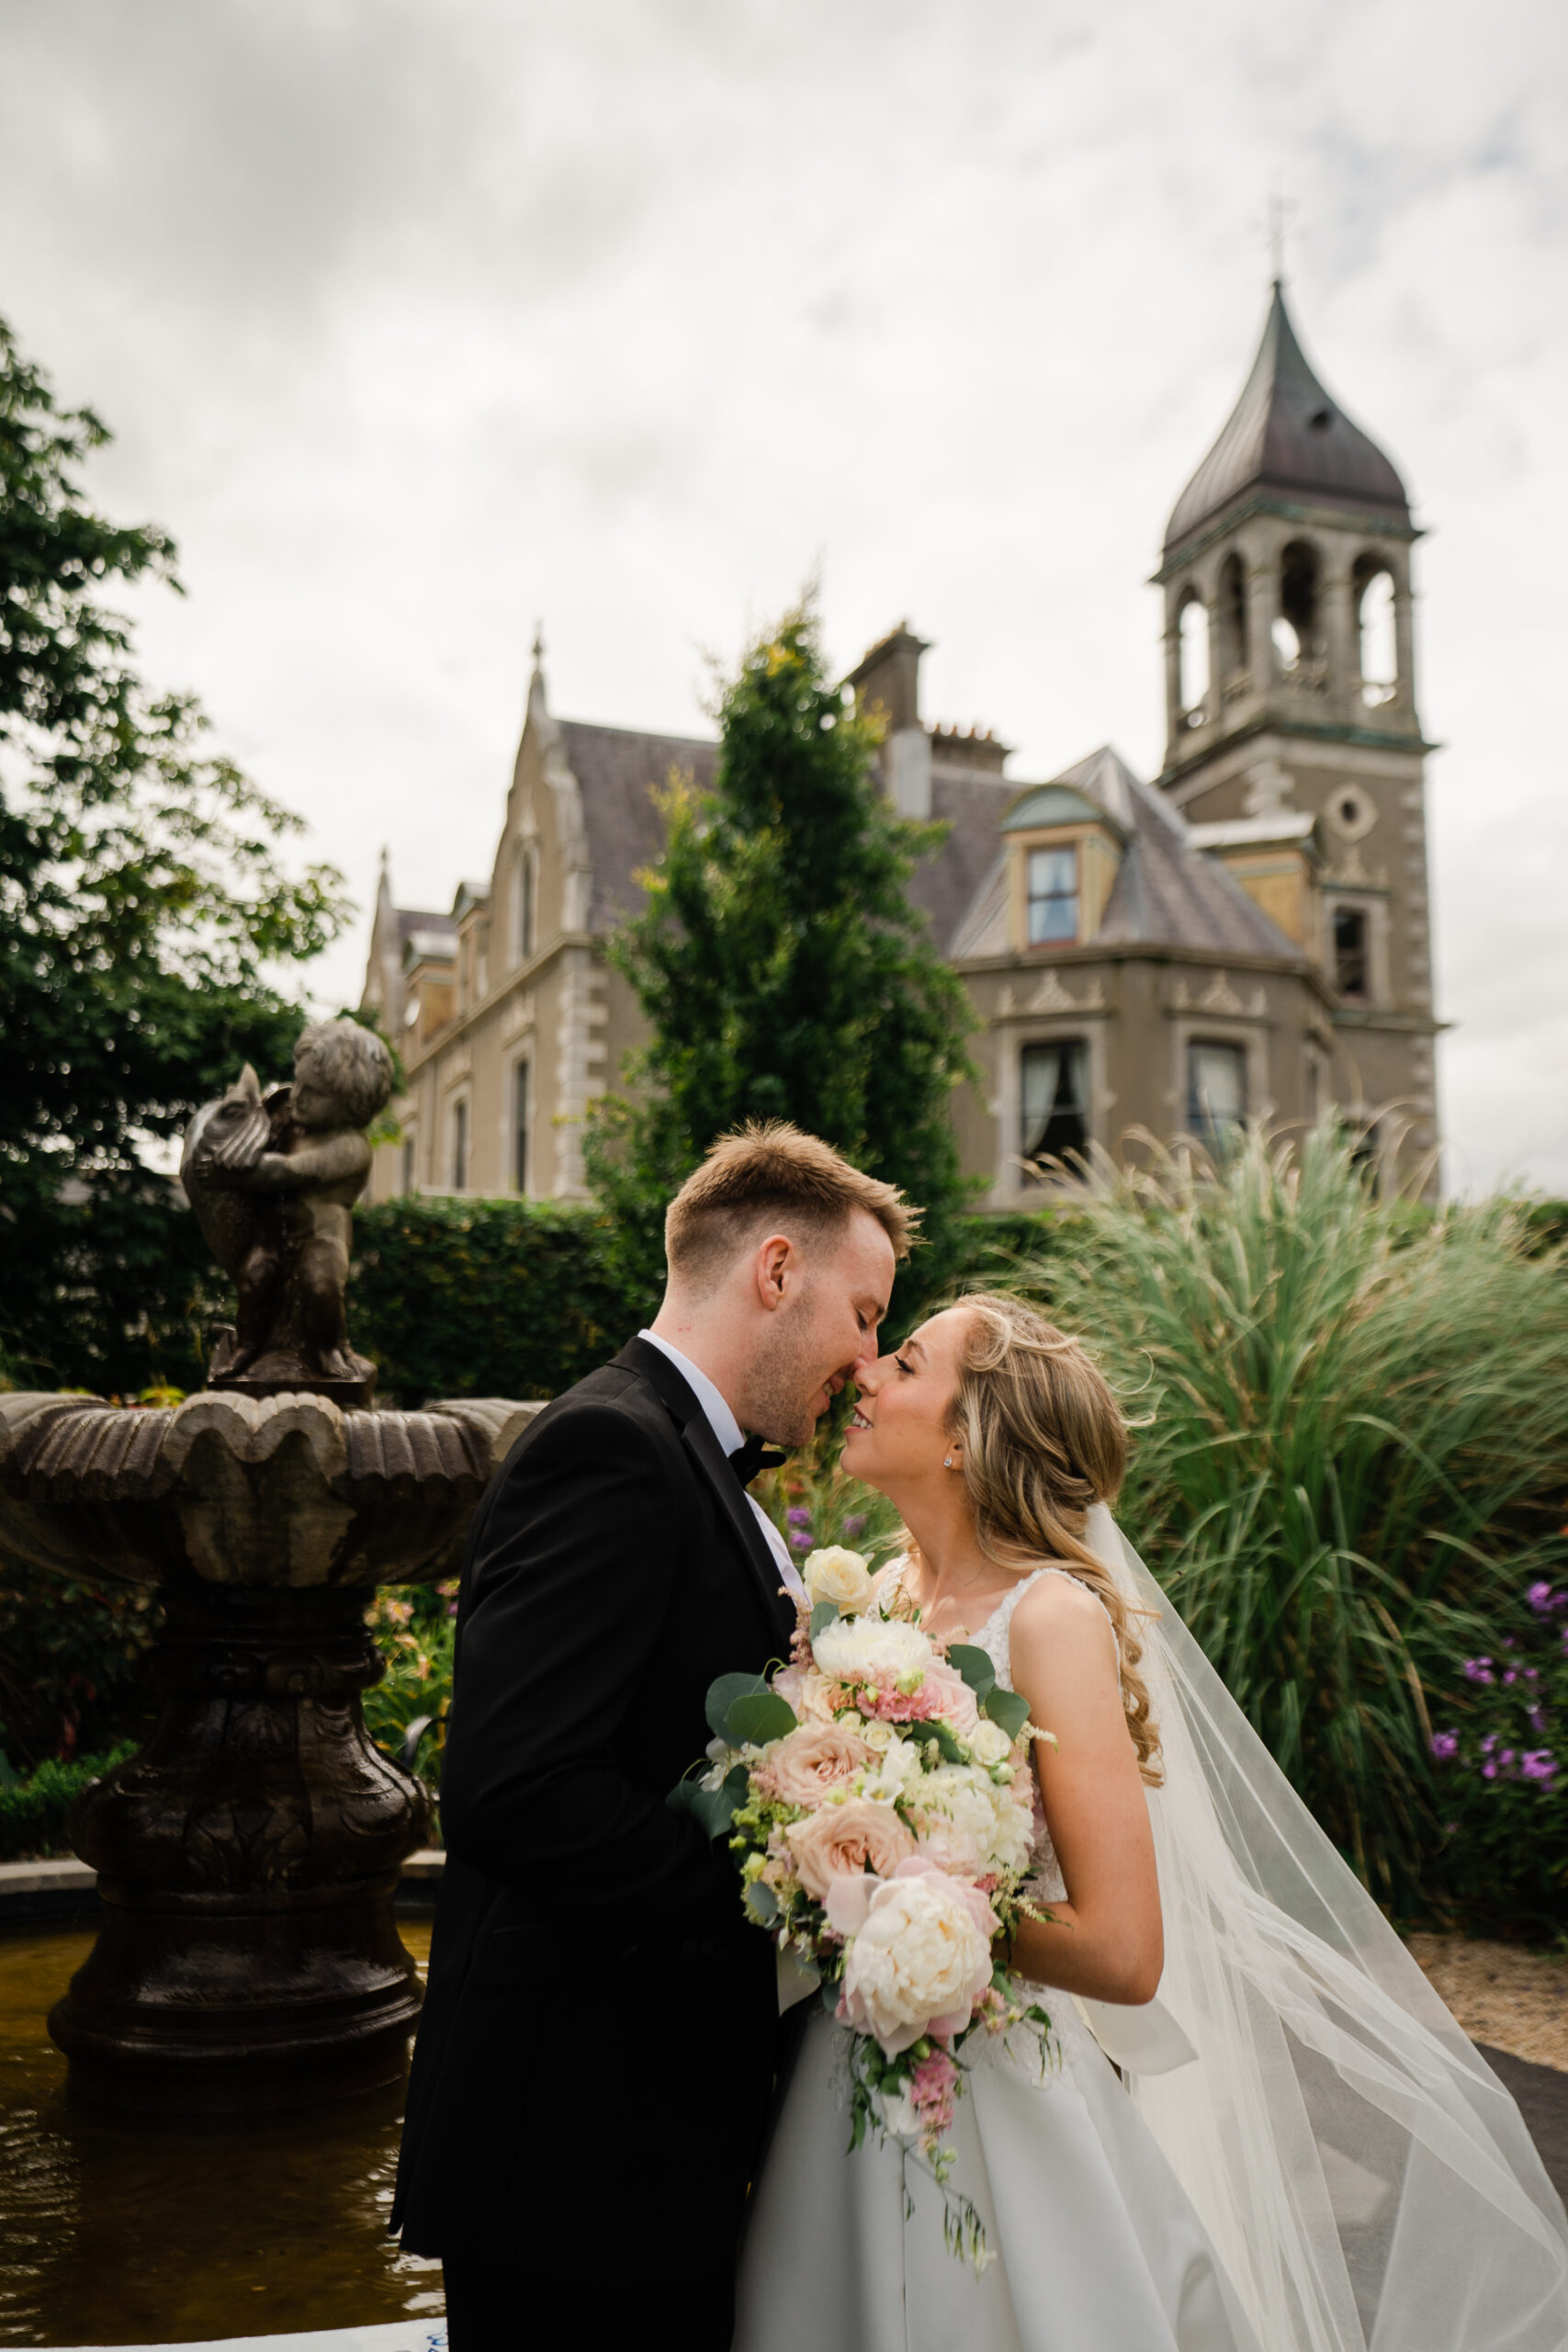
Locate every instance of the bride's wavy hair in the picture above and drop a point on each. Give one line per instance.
(1043, 1438)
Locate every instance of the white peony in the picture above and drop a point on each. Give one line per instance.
(966, 1795)
(856, 1649)
(989, 1744)
(920, 1956)
(834, 1574)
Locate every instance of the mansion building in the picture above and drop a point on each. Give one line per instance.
(1249, 933)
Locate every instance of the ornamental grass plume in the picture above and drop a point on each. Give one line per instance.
(1353, 1446)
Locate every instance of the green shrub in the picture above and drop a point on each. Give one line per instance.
(1355, 1454)
(413, 1630)
(488, 1297)
(71, 1653)
(33, 1813)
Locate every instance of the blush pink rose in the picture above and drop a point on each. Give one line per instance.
(950, 1848)
(956, 1704)
(817, 1758)
(845, 1841)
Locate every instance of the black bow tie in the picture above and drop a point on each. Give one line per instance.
(753, 1455)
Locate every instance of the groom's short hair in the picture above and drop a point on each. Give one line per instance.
(769, 1176)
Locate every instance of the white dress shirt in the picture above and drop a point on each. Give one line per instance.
(727, 1430)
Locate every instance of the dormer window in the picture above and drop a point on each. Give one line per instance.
(1051, 908)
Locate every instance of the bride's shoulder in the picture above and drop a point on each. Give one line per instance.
(1055, 1604)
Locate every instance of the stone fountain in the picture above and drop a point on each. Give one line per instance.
(248, 1856)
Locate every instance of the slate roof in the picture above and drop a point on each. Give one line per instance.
(616, 771)
(944, 887)
(1287, 434)
(412, 919)
(1167, 892)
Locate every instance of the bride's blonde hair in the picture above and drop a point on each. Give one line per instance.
(1043, 1438)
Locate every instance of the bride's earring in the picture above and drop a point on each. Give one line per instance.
(947, 1462)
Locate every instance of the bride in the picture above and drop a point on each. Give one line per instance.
(1292, 2148)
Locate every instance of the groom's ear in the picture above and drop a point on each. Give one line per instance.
(776, 1267)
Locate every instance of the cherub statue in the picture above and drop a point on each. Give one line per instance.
(274, 1182)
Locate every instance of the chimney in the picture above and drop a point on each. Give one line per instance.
(887, 686)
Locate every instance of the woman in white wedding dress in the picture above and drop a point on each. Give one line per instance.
(1300, 2153)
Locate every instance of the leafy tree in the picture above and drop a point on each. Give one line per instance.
(781, 967)
(142, 902)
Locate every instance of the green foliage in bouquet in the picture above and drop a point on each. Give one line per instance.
(782, 968)
(1352, 1452)
(143, 904)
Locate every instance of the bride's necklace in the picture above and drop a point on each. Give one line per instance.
(905, 1605)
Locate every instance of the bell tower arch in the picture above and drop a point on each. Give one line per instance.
(1291, 549)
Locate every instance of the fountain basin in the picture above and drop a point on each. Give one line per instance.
(248, 1856)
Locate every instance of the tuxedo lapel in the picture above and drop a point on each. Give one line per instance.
(698, 1435)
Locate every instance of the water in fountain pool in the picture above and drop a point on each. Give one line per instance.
(134, 2233)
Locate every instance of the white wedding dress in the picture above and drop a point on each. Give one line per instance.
(1322, 2163)
(1098, 2247)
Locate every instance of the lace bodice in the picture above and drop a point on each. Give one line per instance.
(1045, 1881)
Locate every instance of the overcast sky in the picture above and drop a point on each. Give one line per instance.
(419, 318)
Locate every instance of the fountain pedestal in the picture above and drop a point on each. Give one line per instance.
(249, 1854)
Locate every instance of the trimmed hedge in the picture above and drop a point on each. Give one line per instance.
(521, 1298)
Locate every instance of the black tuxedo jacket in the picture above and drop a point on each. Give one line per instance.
(594, 2060)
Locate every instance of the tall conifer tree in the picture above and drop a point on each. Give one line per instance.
(781, 967)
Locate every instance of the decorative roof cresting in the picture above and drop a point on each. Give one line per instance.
(1287, 437)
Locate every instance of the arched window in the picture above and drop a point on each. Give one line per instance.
(1350, 957)
(460, 1144)
(1234, 654)
(524, 918)
(1192, 624)
(1298, 630)
(1372, 586)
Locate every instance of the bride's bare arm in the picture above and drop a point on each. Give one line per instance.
(1106, 1940)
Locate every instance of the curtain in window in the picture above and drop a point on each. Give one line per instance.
(1055, 1093)
(1216, 1087)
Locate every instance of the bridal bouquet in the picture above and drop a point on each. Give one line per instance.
(878, 1797)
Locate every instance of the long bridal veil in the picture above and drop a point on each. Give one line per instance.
(1368, 2183)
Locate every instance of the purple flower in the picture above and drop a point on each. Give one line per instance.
(855, 1524)
(1489, 1743)
(1478, 1669)
(1511, 1676)
(1536, 1718)
(1544, 1602)
(800, 1540)
(1489, 1771)
(1507, 1756)
(1445, 1744)
(1539, 1764)
(798, 1515)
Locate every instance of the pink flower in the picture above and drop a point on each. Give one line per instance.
(842, 1842)
(956, 1702)
(948, 1848)
(819, 1756)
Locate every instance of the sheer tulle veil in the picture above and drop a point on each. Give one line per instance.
(1368, 2183)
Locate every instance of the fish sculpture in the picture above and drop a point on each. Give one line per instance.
(244, 1229)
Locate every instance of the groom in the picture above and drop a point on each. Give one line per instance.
(594, 2063)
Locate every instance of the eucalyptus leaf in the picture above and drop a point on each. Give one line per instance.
(974, 1665)
(758, 1716)
(942, 1735)
(825, 1613)
(1008, 1708)
(712, 1809)
(722, 1696)
(761, 1903)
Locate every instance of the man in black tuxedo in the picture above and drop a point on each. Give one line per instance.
(594, 2063)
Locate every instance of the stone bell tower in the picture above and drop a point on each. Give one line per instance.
(1293, 740)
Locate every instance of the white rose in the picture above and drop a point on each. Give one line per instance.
(989, 1744)
(966, 1795)
(876, 1735)
(920, 1955)
(855, 1649)
(834, 1574)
